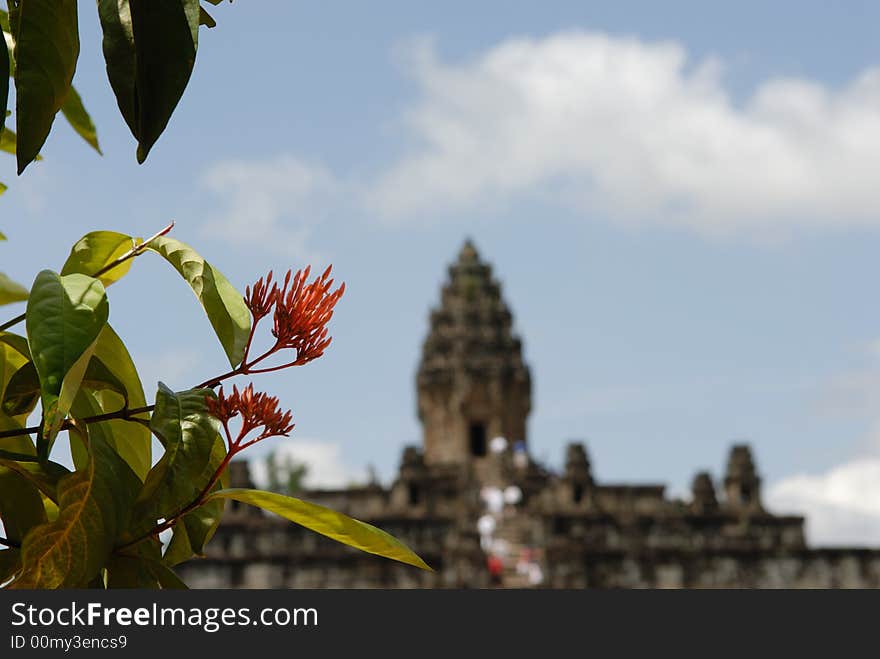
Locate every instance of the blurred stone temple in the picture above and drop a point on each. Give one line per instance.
(482, 512)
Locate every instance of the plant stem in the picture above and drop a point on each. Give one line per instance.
(134, 251)
(192, 505)
(125, 414)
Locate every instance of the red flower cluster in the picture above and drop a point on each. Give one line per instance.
(257, 410)
(301, 313)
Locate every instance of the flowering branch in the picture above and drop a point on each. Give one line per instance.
(300, 314)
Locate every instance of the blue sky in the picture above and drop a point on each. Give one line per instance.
(679, 202)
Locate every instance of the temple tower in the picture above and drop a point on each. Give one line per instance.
(742, 485)
(472, 382)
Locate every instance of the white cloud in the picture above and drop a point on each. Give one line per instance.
(842, 506)
(272, 202)
(326, 468)
(634, 129)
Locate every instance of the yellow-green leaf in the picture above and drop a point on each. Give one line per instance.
(10, 291)
(94, 509)
(75, 113)
(327, 522)
(95, 251)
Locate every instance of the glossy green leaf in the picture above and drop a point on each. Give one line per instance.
(327, 522)
(188, 432)
(195, 529)
(150, 49)
(223, 304)
(75, 113)
(10, 291)
(46, 37)
(119, 56)
(95, 251)
(94, 509)
(166, 34)
(21, 506)
(64, 317)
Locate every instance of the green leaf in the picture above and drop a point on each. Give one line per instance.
(150, 49)
(135, 440)
(94, 509)
(95, 251)
(188, 432)
(64, 317)
(195, 529)
(133, 567)
(119, 55)
(18, 343)
(166, 577)
(10, 291)
(45, 475)
(46, 37)
(7, 37)
(206, 19)
(5, 72)
(330, 523)
(141, 567)
(14, 354)
(22, 392)
(21, 506)
(166, 36)
(7, 141)
(75, 113)
(224, 305)
(3, 187)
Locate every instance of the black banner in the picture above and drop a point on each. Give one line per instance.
(414, 623)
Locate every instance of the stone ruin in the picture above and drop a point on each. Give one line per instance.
(474, 504)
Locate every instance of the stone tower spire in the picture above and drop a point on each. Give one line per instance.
(742, 485)
(472, 382)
